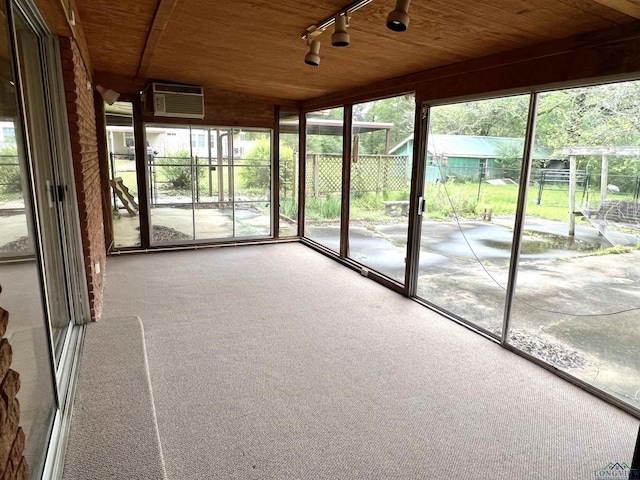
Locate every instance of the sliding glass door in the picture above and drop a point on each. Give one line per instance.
(530, 230)
(380, 184)
(323, 182)
(21, 279)
(474, 156)
(365, 190)
(41, 273)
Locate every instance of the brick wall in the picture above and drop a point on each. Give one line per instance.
(13, 465)
(84, 145)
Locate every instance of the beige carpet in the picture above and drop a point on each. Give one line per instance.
(114, 433)
(274, 362)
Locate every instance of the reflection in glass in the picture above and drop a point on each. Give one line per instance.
(473, 162)
(20, 271)
(49, 189)
(323, 189)
(579, 281)
(382, 157)
(123, 174)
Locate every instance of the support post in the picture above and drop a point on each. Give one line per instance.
(572, 195)
(604, 179)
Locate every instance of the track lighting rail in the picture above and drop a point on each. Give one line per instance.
(327, 22)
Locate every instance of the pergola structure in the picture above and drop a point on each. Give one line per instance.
(604, 153)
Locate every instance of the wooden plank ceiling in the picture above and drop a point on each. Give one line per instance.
(254, 46)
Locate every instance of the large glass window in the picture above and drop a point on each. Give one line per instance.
(21, 263)
(323, 182)
(123, 174)
(208, 183)
(289, 160)
(576, 300)
(381, 162)
(473, 162)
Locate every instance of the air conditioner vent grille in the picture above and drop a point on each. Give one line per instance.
(184, 104)
(174, 100)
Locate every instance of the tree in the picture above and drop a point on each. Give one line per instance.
(399, 111)
(500, 117)
(258, 175)
(10, 176)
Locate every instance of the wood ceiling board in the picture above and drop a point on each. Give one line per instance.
(534, 20)
(598, 9)
(254, 46)
(55, 17)
(144, 9)
(116, 32)
(628, 7)
(160, 20)
(358, 64)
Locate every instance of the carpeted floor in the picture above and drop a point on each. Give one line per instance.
(274, 362)
(114, 434)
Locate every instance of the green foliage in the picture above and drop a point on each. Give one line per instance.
(289, 208)
(618, 249)
(399, 111)
(288, 155)
(258, 176)
(175, 167)
(500, 117)
(10, 176)
(328, 208)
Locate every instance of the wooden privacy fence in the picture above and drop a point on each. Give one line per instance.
(370, 173)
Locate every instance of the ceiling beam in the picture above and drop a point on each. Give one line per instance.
(160, 20)
(62, 19)
(628, 7)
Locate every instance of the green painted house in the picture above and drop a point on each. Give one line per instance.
(469, 157)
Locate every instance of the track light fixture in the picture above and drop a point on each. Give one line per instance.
(313, 57)
(340, 37)
(398, 19)
(108, 95)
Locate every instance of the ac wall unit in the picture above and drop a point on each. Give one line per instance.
(174, 100)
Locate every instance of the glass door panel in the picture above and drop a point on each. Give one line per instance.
(323, 182)
(289, 157)
(576, 299)
(252, 183)
(214, 212)
(171, 184)
(50, 191)
(123, 173)
(21, 274)
(473, 162)
(381, 162)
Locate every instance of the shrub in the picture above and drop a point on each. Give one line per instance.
(10, 177)
(176, 170)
